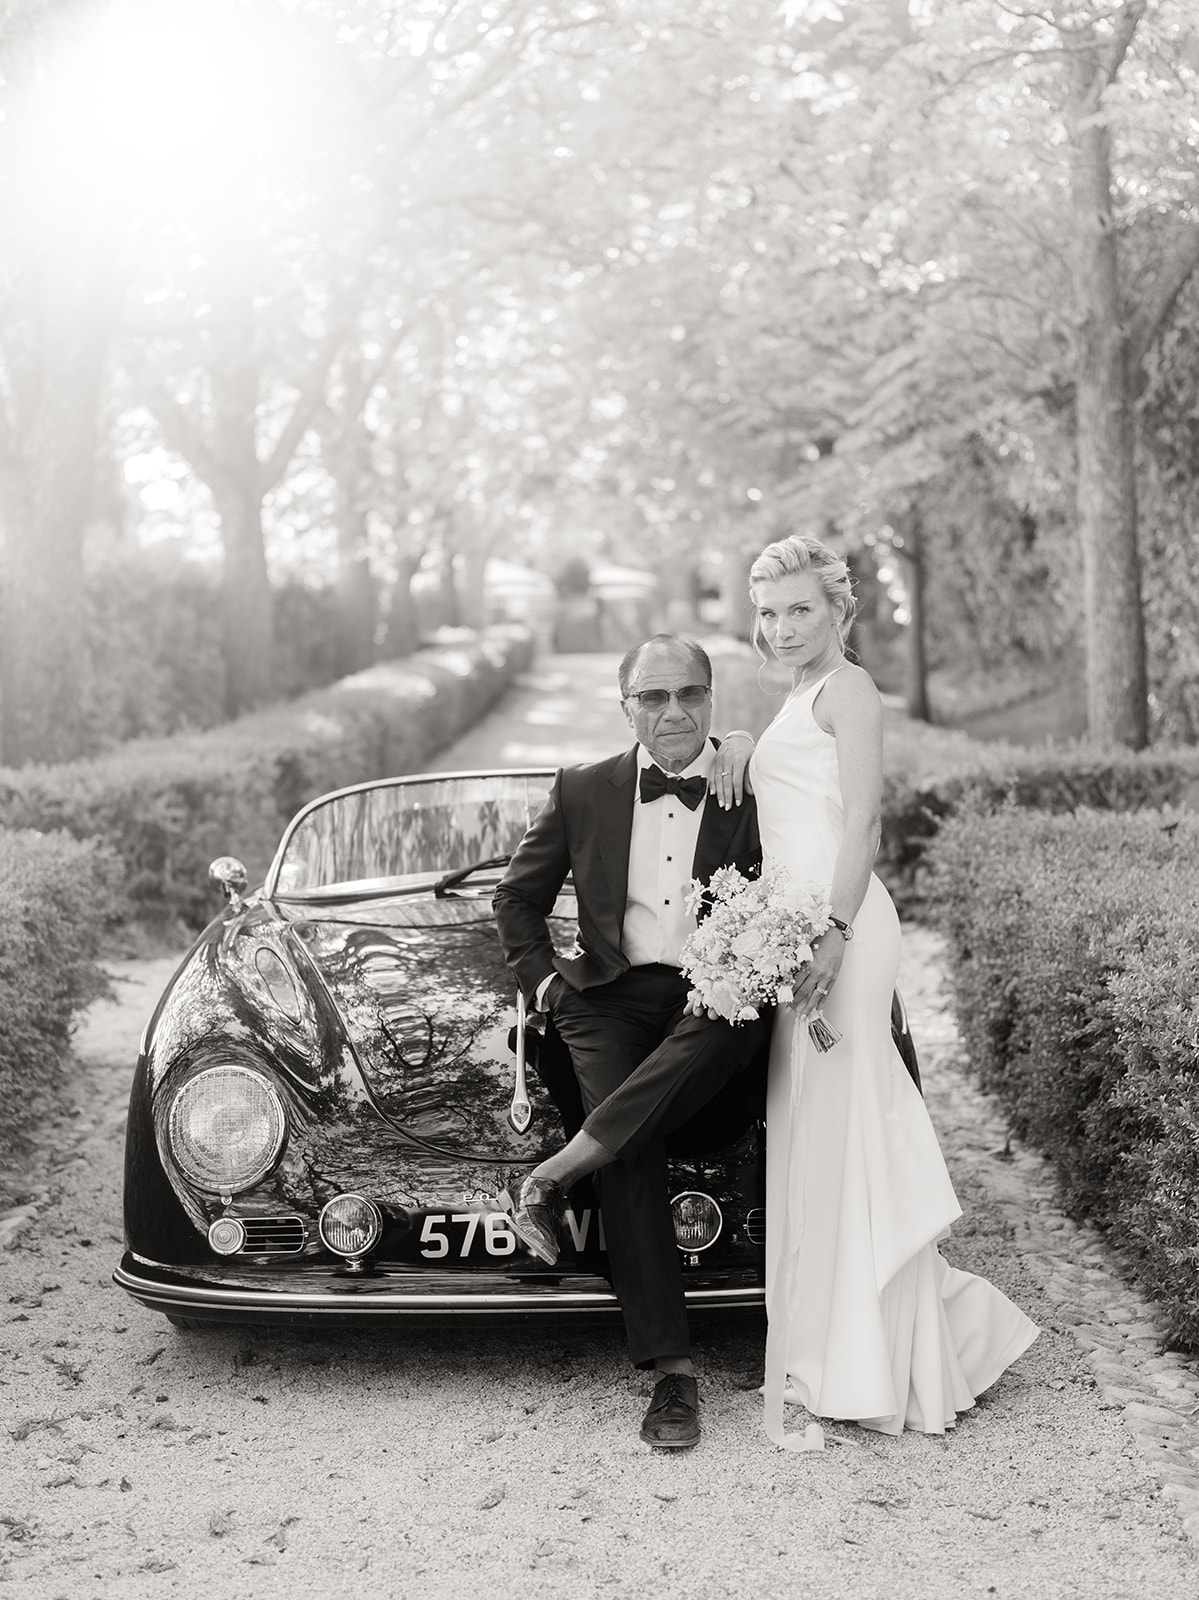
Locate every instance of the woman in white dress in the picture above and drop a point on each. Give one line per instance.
(866, 1321)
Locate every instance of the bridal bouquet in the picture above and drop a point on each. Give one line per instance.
(751, 947)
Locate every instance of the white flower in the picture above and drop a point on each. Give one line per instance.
(785, 995)
(723, 997)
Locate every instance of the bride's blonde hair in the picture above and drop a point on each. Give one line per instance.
(801, 553)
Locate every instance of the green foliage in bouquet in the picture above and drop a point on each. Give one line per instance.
(1073, 945)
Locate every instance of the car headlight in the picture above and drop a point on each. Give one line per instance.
(226, 1129)
(697, 1220)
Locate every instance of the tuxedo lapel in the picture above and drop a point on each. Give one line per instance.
(717, 830)
(614, 832)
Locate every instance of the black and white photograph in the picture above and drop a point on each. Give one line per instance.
(599, 799)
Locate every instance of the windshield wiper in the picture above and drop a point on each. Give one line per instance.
(443, 885)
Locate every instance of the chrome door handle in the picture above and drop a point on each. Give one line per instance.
(520, 1112)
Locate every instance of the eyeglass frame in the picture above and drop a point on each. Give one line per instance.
(660, 705)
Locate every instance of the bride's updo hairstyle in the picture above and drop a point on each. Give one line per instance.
(800, 553)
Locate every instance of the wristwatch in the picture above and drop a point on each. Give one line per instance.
(845, 929)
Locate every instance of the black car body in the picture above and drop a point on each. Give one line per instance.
(338, 1084)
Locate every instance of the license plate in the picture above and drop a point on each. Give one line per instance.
(479, 1237)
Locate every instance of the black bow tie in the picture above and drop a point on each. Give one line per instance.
(655, 783)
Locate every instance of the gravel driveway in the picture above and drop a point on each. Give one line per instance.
(144, 1461)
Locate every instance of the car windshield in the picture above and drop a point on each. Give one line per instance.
(404, 835)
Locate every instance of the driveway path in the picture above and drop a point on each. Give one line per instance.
(139, 1461)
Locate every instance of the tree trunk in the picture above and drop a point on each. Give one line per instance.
(46, 478)
(915, 667)
(346, 446)
(42, 660)
(469, 568)
(357, 610)
(1117, 706)
(247, 629)
(347, 456)
(403, 627)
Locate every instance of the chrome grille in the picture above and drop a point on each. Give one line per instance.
(755, 1226)
(273, 1236)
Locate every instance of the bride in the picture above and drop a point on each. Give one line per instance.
(867, 1322)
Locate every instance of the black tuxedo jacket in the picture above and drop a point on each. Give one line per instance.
(585, 829)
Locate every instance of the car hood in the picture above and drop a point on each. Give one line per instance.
(427, 1003)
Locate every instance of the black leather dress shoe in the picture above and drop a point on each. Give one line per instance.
(672, 1421)
(536, 1215)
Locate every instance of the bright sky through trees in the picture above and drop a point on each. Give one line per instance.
(182, 110)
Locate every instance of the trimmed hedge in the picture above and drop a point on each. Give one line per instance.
(167, 807)
(923, 787)
(1073, 946)
(56, 898)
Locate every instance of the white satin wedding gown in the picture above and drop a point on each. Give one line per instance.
(866, 1320)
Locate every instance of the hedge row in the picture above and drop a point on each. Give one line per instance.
(925, 785)
(1073, 948)
(166, 807)
(55, 900)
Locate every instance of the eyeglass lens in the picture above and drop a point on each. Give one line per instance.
(655, 699)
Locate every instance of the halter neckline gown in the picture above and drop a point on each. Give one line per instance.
(867, 1322)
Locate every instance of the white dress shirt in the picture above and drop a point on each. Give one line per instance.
(661, 853)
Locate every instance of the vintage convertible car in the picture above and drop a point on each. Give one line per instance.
(339, 1082)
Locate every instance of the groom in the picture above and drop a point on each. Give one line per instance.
(633, 830)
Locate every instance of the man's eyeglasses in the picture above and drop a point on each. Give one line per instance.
(690, 698)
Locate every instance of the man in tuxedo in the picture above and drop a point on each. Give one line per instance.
(633, 830)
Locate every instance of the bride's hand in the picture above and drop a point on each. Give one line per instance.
(819, 976)
(730, 781)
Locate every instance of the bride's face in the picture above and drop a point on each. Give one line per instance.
(797, 620)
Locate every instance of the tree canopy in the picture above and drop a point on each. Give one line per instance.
(351, 291)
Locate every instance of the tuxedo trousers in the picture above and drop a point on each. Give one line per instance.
(644, 1066)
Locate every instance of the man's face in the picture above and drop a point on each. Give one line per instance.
(673, 734)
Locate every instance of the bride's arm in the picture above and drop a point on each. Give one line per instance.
(850, 709)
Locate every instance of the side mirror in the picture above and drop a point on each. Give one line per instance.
(227, 874)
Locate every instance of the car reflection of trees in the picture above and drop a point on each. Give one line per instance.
(429, 1011)
(400, 831)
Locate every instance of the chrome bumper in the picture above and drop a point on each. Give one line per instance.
(362, 1299)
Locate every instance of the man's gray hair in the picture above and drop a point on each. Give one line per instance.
(676, 641)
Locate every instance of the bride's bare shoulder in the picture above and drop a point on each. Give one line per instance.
(849, 693)
(851, 685)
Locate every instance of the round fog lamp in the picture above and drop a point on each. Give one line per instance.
(350, 1226)
(697, 1220)
(226, 1236)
